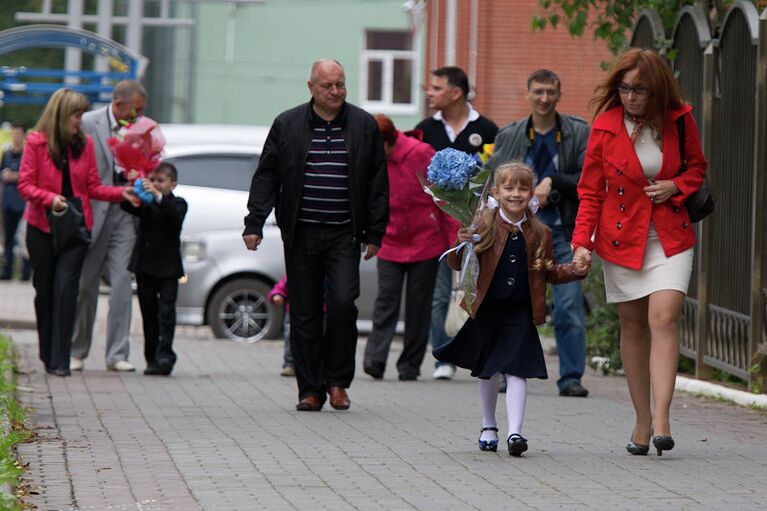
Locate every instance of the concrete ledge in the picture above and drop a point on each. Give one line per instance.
(709, 389)
(17, 324)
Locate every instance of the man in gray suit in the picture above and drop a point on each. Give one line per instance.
(113, 235)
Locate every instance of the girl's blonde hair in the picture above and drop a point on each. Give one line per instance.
(515, 173)
(54, 123)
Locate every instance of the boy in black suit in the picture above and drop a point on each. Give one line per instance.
(156, 263)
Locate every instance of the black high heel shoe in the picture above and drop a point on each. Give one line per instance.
(663, 443)
(635, 448)
(488, 445)
(517, 444)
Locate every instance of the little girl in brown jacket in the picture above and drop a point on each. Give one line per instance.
(516, 260)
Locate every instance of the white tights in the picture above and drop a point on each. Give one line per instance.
(516, 397)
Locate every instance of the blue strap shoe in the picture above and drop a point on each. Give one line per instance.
(488, 445)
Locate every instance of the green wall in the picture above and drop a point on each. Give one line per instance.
(265, 70)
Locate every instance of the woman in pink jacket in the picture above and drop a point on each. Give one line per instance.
(59, 163)
(415, 237)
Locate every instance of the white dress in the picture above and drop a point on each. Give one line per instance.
(658, 272)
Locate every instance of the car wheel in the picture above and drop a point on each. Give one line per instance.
(240, 310)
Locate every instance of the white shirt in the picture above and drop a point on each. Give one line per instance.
(452, 135)
(506, 219)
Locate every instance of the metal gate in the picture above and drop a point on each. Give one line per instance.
(725, 79)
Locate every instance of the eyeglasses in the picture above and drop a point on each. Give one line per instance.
(639, 90)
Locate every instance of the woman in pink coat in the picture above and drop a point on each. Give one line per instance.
(59, 163)
(415, 237)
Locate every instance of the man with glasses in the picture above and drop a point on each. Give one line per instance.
(554, 145)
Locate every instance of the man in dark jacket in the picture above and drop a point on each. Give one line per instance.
(323, 169)
(554, 145)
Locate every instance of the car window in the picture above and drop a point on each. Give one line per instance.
(227, 171)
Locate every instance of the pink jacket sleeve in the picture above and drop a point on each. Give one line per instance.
(29, 177)
(96, 190)
(280, 288)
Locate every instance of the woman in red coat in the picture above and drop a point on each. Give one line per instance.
(415, 237)
(632, 215)
(59, 163)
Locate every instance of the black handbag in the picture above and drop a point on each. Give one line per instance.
(68, 228)
(701, 203)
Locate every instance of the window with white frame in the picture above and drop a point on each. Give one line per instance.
(388, 72)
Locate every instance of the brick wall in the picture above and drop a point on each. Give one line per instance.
(508, 51)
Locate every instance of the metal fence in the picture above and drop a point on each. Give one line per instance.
(724, 77)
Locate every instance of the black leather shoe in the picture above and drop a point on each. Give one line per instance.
(517, 445)
(574, 389)
(374, 369)
(157, 371)
(635, 448)
(662, 443)
(407, 377)
(59, 371)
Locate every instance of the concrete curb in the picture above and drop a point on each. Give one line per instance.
(17, 324)
(709, 389)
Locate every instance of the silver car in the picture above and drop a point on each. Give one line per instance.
(226, 285)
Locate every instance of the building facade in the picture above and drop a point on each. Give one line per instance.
(494, 42)
(251, 60)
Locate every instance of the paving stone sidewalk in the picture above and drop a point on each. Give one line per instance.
(222, 434)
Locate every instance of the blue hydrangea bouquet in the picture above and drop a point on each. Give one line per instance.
(459, 186)
(455, 180)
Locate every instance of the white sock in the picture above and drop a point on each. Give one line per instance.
(516, 397)
(488, 394)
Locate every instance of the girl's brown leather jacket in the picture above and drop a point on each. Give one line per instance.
(488, 260)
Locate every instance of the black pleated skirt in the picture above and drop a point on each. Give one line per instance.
(501, 339)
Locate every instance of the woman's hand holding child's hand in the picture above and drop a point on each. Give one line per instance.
(581, 261)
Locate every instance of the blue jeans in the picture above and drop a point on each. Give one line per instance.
(439, 303)
(569, 325)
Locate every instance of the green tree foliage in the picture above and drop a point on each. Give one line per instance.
(610, 20)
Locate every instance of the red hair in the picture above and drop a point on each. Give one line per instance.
(654, 73)
(387, 129)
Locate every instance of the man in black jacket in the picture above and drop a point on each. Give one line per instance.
(323, 169)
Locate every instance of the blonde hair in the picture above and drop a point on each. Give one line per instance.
(54, 124)
(515, 173)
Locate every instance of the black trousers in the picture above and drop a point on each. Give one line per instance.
(157, 300)
(56, 279)
(421, 277)
(323, 267)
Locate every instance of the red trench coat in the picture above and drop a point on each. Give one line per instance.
(614, 207)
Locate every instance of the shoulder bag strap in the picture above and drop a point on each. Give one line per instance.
(680, 132)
